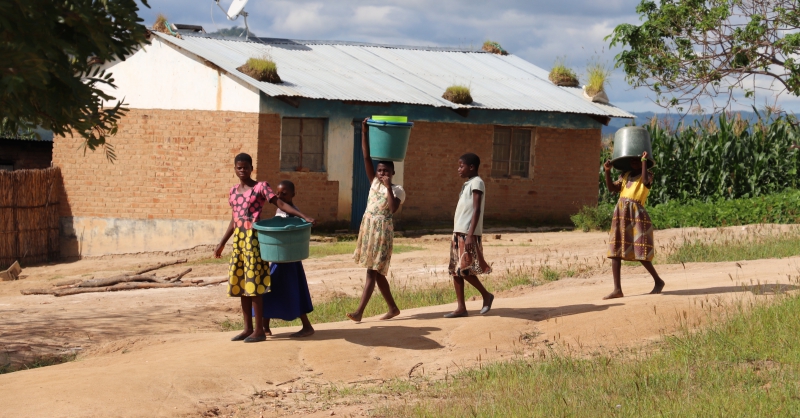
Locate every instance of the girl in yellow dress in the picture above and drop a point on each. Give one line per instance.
(631, 236)
(249, 274)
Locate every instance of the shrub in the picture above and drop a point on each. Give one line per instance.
(261, 69)
(779, 208)
(592, 218)
(494, 48)
(561, 75)
(458, 94)
(597, 74)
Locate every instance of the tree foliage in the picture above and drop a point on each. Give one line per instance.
(52, 52)
(686, 50)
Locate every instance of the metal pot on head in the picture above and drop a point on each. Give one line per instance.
(629, 143)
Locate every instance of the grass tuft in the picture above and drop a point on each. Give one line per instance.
(727, 246)
(561, 75)
(598, 75)
(458, 94)
(409, 297)
(162, 25)
(745, 365)
(42, 361)
(261, 69)
(494, 48)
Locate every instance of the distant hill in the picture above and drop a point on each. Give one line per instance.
(644, 117)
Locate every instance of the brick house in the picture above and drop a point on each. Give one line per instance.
(192, 111)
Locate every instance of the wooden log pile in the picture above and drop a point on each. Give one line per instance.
(131, 281)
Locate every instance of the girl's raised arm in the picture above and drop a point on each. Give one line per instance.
(645, 174)
(365, 150)
(290, 210)
(612, 187)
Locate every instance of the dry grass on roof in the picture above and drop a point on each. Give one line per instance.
(261, 69)
(458, 94)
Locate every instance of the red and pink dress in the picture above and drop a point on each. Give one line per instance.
(249, 274)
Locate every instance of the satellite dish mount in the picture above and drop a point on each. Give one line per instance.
(236, 10)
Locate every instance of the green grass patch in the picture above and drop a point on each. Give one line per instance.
(730, 248)
(261, 69)
(334, 309)
(561, 75)
(458, 94)
(314, 251)
(748, 364)
(598, 75)
(41, 361)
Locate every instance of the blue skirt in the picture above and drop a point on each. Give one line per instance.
(289, 296)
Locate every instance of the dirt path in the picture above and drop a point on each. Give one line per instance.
(157, 352)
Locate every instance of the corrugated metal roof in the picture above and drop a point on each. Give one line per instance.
(394, 74)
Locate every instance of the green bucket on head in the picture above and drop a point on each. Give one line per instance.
(630, 143)
(388, 141)
(384, 118)
(283, 240)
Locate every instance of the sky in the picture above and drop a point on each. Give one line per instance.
(538, 31)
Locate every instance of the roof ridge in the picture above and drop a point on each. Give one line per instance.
(287, 41)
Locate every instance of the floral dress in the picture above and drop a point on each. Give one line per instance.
(249, 274)
(374, 246)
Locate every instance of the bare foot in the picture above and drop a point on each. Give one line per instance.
(305, 332)
(658, 287)
(614, 295)
(257, 334)
(354, 317)
(267, 332)
(391, 314)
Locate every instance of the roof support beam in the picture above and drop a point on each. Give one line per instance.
(602, 119)
(461, 111)
(291, 101)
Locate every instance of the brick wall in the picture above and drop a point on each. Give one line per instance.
(178, 164)
(26, 154)
(564, 171)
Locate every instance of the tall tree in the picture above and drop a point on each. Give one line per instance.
(51, 74)
(688, 50)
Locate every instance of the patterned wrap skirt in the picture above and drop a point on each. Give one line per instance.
(467, 263)
(248, 274)
(375, 243)
(631, 236)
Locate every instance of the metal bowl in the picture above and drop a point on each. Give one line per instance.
(629, 144)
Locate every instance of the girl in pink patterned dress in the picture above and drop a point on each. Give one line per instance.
(249, 274)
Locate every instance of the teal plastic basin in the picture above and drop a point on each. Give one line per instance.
(283, 240)
(388, 140)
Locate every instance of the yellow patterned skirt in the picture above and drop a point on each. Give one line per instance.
(248, 274)
(631, 236)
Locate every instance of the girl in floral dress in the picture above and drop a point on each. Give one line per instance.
(249, 274)
(374, 246)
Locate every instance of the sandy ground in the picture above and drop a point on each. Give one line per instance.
(160, 352)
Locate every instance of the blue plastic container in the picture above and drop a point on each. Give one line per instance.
(283, 240)
(388, 140)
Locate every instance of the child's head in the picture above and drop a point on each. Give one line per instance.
(385, 169)
(243, 165)
(468, 165)
(285, 191)
(636, 164)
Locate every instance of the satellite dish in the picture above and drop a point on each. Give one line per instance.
(236, 9)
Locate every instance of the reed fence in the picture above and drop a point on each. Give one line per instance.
(29, 216)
